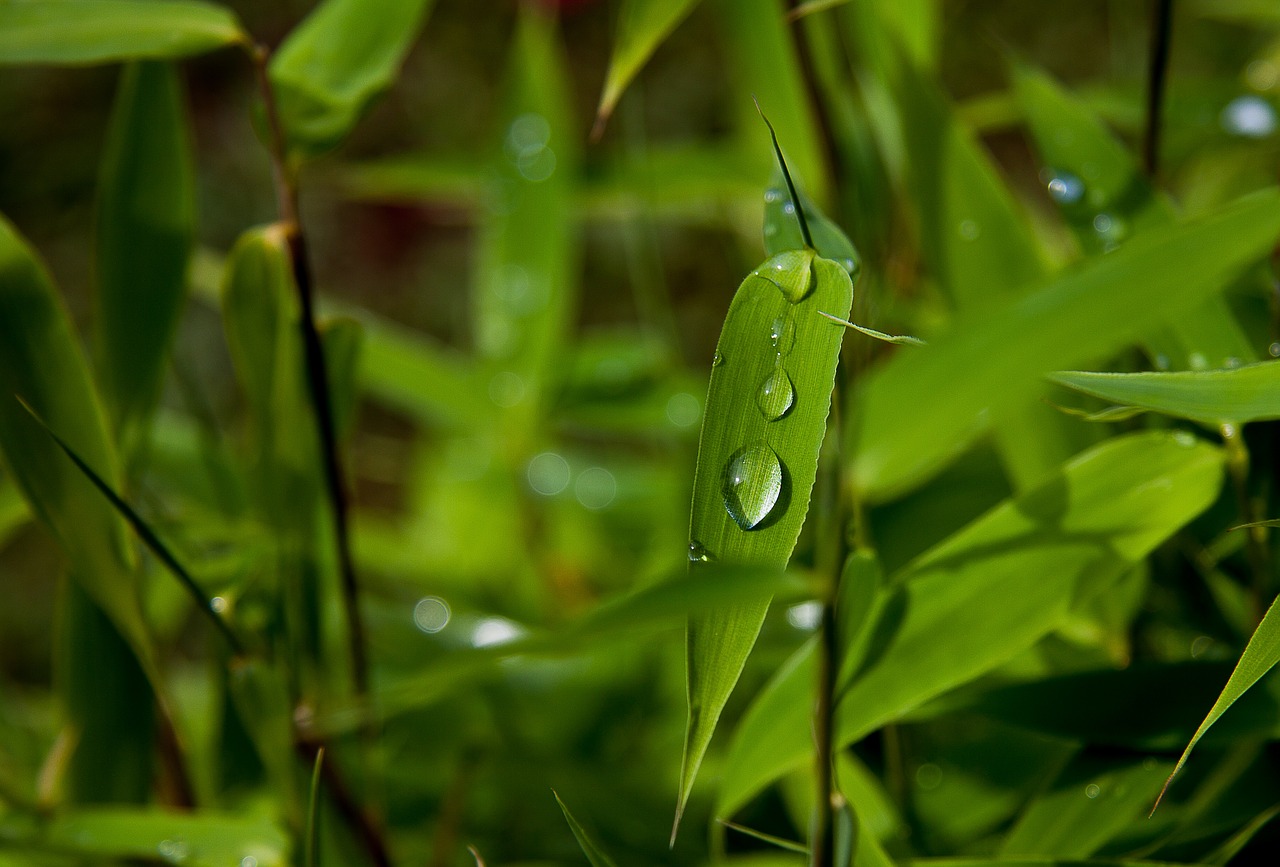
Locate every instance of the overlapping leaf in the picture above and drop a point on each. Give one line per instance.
(1213, 397)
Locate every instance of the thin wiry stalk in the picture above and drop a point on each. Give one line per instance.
(786, 176)
(1157, 74)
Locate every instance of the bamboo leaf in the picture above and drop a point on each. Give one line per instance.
(589, 848)
(1260, 655)
(782, 228)
(937, 628)
(916, 413)
(766, 415)
(343, 339)
(104, 31)
(899, 339)
(332, 66)
(1213, 397)
(145, 232)
(642, 25)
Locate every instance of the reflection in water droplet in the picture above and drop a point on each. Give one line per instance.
(752, 484)
(548, 473)
(506, 389)
(683, 410)
(928, 776)
(969, 230)
(806, 616)
(1065, 188)
(431, 614)
(1249, 117)
(595, 488)
(782, 334)
(1092, 791)
(717, 359)
(698, 553)
(494, 630)
(776, 395)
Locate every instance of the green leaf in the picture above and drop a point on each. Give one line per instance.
(41, 361)
(589, 848)
(331, 67)
(782, 229)
(765, 419)
(145, 232)
(918, 411)
(642, 25)
(104, 31)
(898, 339)
(343, 338)
(937, 627)
(1105, 199)
(1259, 657)
(1213, 397)
(203, 839)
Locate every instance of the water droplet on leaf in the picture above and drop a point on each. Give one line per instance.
(776, 395)
(717, 359)
(698, 553)
(1065, 188)
(782, 334)
(752, 485)
(791, 272)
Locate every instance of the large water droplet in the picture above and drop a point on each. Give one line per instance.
(782, 334)
(791, 272)
(776, 395)
(752, 485)
(698, 553)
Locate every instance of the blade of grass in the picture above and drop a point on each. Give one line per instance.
(311, 850)
(589, 848)
(642, 25)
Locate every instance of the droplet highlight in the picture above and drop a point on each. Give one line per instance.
(791, 272)
(1065, 188)
(698, 552)
(752, 485)
(776, 395)
(782, 335)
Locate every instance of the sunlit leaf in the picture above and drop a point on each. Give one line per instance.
(589, 848)
(1214, 397)
(145, 231)
(332, 65)
(642, 25)
(102, 31)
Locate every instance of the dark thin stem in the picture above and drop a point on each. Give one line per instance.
(1157, 74)
(1255, 546)
(786, 176)
(317, 378)
(144, 531)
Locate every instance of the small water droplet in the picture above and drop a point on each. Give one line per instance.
(928, 776)
(1092, 791)
(1229, 430)
(776, 395)
(1162, 362)
(969, 230)
(698, 553)
(431, 614)
(791, 272)
(849, 265)
(717, 359)
(248, 861)
(548, 473)
(752, 484)
(595, 488)
(1249, 117)
(218, 604)
(1274, 350)
(782, 334)
(174, 851)
(772, 194)
(1197, 361)
(789, 209)
(1232, 363)
(1065, 188)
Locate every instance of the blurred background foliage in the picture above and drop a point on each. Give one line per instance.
(525, 318)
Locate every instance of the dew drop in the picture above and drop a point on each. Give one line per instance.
(791, 272)
(717, 359)
(782, 334)
(1274, 350)
(1092, 791)
(218, 605)
(772, 195)
(788, 209)
(969, 230)
(752, 485)
(698, 553)
(1065, 188)
(776, 395)
(1232, 363)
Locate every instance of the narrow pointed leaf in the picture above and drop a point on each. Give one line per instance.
(145, 231)
(782, 229)
(589, 848)
(333, 64)
(104, 31)
(937, 628)
(642, 25)
(1235, 395)
(917, 412)
(766, 415)
(1260, 655)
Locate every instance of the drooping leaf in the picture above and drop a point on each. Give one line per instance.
(145, 231)
(332, 65)
(104, 31)
(589, 848)
(642, 25)
(766, 415)
(937, 626)
(1213, 397)
(916, 412)
(1260, 655)
(1105, 199)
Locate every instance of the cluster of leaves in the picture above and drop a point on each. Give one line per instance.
(984, 591)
